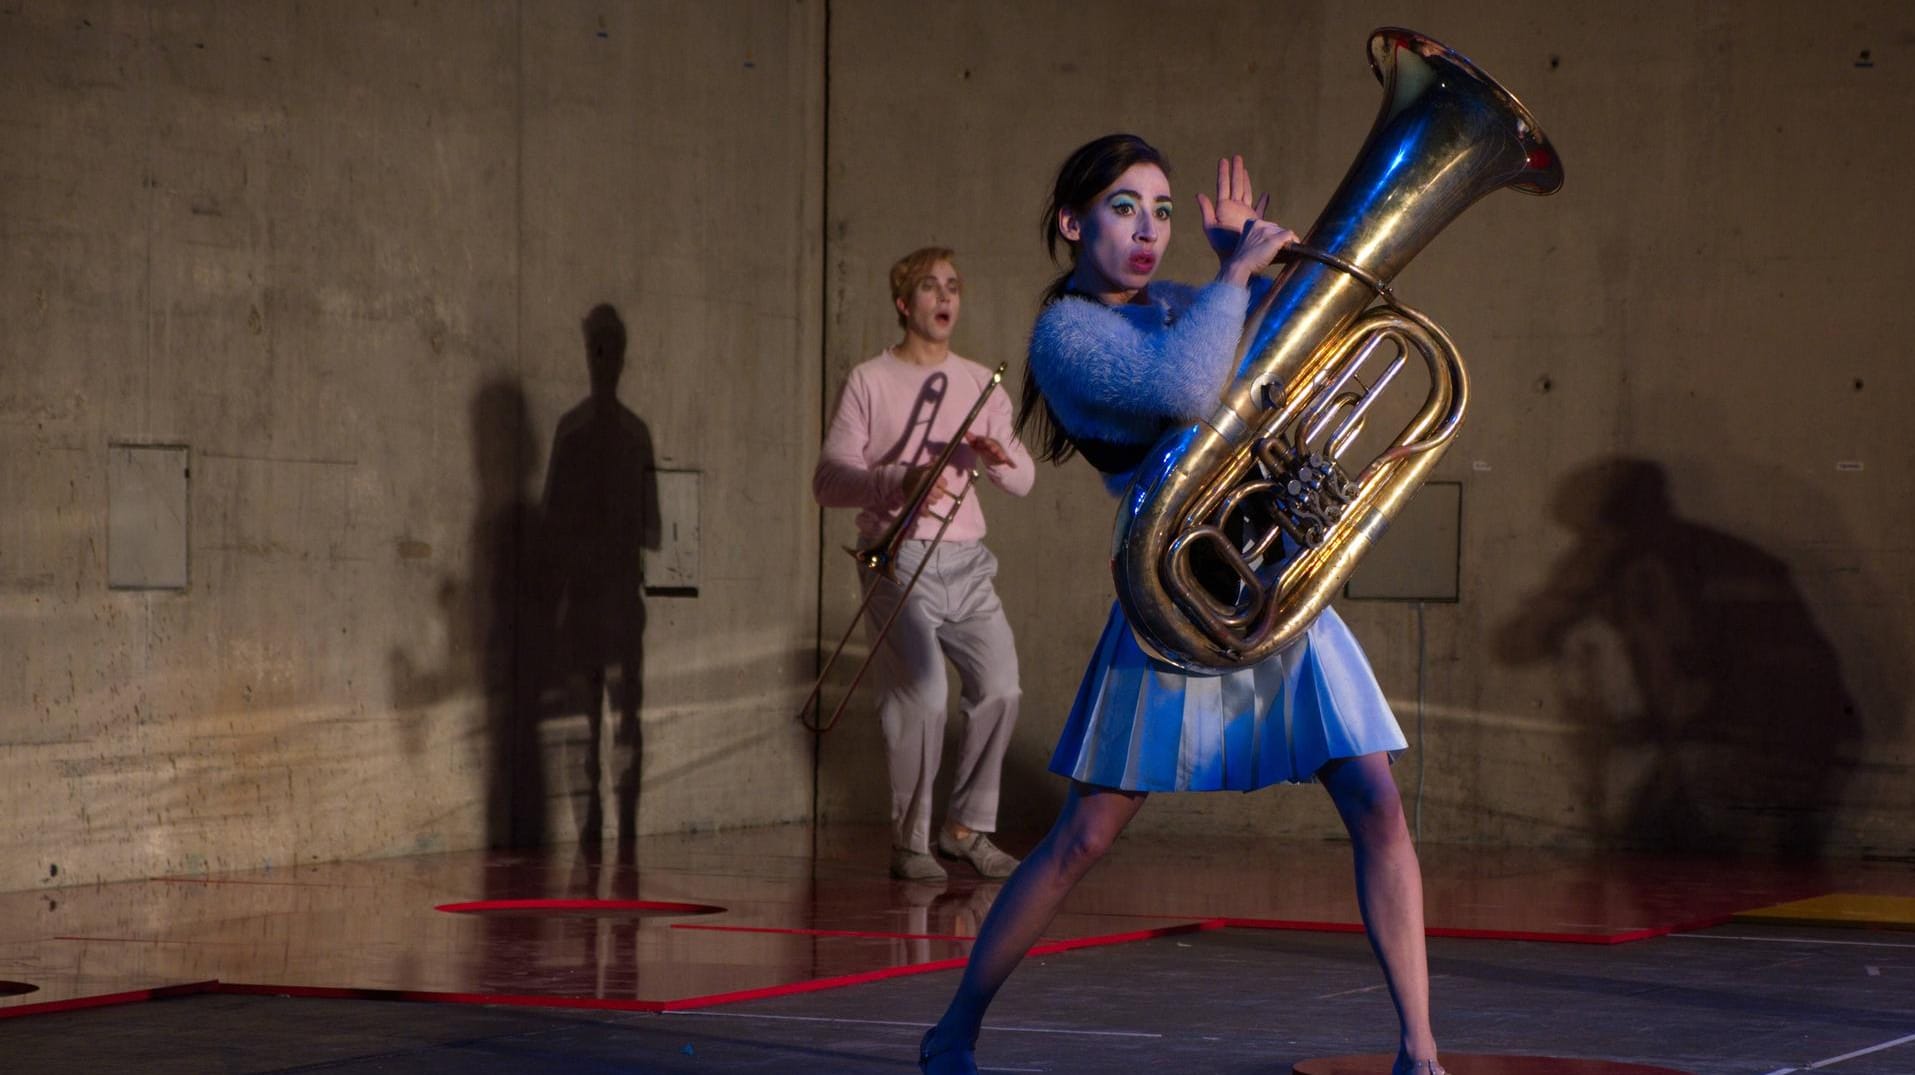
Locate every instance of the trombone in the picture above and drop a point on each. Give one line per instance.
(881, 557)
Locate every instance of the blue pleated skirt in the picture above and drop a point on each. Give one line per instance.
(1142, 725)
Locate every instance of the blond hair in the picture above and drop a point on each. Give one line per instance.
(913, 267)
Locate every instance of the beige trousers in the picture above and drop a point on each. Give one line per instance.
(953, 613)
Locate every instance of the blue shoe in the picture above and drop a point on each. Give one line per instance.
(950, 1058)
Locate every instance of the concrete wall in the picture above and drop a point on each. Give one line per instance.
(1686, 537)
(344, 253)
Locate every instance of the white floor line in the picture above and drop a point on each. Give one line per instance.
(1834, 1060)
(1370, 988)
(1783, 940)
(1354, 992)
(991, 1027)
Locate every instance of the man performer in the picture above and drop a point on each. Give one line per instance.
(896, 414)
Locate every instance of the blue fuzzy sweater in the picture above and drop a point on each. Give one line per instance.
(1122, 373)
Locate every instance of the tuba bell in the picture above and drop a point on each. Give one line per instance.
(1238, 530)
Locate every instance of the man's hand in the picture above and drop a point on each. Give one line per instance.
(915, 478)
(989, 450)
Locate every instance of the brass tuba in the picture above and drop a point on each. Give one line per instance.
(1257, 496)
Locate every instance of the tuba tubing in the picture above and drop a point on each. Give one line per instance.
(1446, 135)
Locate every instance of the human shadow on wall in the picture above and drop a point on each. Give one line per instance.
(485, 617)
(1713, 714)
(600, 509)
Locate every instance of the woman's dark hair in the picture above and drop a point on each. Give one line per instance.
(1087, 172)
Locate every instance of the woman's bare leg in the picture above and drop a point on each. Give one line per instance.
(1084, 830)
(1389, 891)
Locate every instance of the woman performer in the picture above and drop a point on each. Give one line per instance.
(1116, 360)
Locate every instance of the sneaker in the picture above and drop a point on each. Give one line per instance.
(988, 859)
(909, 865)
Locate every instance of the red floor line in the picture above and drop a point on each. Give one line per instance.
(812, 985)
(815, 984)
(529, 1000)
(102, 1000)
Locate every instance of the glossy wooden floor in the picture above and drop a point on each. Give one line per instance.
(769, 912)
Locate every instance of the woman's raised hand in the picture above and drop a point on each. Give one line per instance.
(1257, 247)
(1236, 204)
(1234, 224)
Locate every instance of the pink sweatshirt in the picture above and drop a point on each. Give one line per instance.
(894, 415)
